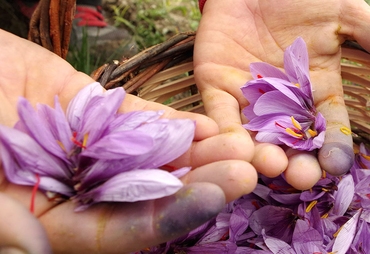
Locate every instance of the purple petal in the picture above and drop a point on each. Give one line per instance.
(361, 241)
(50, 184)
(217, 231)
(276, 221)
(42, 131)
(277, 246)
(296, 65)
(99, 113)
(132, 120)
(344, 196)
(265, 70)
(346, 235)
(22, 158)
(276, 102)
(216, 248)
(76, 107)
(181, 172)
(306, 239)
(254, 89)
(57, 122)
(92, 110)
(238, 223)
(172, 138)
(131, 186)
(120, 144)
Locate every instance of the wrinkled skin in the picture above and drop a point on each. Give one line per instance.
(35, 73)
(232, 34)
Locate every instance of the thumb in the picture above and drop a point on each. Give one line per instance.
(20, 231)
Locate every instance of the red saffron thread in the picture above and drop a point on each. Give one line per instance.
(34, 191)
(75, 141)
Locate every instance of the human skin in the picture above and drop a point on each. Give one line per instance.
(31, 71)
(232, 34)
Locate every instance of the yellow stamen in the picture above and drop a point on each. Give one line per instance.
(345, 130)
(367, 157)
(311, 205)
(84, 141)
(336, 233)
(61, 145)
(326, 215)
(326, 190)
(297, 85)
(312, 133)
(295, 123)
(293, 133)
(323, 174)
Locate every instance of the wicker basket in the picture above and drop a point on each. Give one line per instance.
(164, 73)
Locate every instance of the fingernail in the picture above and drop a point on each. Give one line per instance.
(336, 158)
(194, 205)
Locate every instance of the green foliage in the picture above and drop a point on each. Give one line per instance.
(149, 21)
(80, 57)
(152, 22)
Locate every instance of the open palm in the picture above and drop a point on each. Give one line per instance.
(233, 34)
(32, 72)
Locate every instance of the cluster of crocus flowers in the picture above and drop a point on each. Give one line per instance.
(332, 217)
(281, 107)
(93, 153)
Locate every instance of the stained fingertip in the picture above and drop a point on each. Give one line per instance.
(269, 160)
(303, 170)
(336, 158)
(192, 206)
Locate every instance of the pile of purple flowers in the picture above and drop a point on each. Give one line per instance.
(94, 153)
(331, 217)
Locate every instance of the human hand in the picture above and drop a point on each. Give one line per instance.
(233, 34)
(33, 72)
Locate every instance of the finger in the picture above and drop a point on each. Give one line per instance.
(303, 170)
(226, 146)
(20, 231)
(205, 127)
(336, 155)
(357, 28)
(224, 109)
(269, 160)
(124, 228)
(235, 177)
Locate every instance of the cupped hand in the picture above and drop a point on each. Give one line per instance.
(33, 72)
(232, 34)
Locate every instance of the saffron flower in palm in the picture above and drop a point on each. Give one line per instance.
(281, 107)
(92, 153)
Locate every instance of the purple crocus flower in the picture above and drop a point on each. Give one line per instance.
(93, 153)
(362, 158)
(281, 105)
